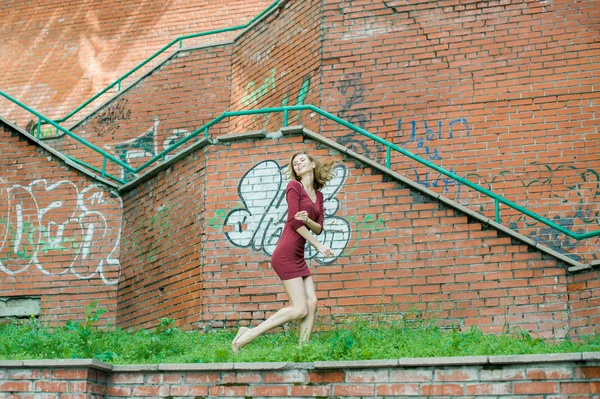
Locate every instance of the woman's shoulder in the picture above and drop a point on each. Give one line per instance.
(294, 184)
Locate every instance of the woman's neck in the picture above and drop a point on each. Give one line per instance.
(307, 182)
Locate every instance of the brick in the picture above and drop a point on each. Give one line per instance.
(50, 386)
(535, 388)
(411, 375)
(397, 390)
(456, 375)
(353, 390)
(488, 389)
(321, 377)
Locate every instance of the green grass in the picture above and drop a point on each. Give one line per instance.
(31, 339)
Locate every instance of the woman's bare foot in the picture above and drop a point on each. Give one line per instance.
(235, 347)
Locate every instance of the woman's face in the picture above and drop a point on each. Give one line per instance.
(302, 165)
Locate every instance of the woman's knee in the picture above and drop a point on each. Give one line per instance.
(311, 303)
(301, 311)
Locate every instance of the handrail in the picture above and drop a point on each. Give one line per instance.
(179, 39)
(104, 154)
(498, 199)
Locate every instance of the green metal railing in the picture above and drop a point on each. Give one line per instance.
(498, 199)
(179, 40)
(105, 156)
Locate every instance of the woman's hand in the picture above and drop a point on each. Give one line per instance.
(302, 216)
(326, 251)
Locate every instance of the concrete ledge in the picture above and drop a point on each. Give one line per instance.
(227, 138)
(528, 241)
(578, 269)
(11, 363)
(69, 363)
(356, 364)
(135, 367)
(262, 366)
(461, 208)
(546, 358)
(195, 366)
(291, 130)
(591, 356)
(443, 361)
(329, 143)
(324, 365)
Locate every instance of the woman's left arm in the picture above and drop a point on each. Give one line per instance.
(316, 226)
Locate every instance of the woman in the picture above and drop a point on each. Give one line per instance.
(305, 211)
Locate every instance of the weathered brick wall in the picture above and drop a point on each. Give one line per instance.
(181, 96)
(73, 52)
(162, 247)
(584, 302)
(395, 250)
(277, 63)
(471, 377)
(59, 233)
(503, 93)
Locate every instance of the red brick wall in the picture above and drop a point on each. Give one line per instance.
(278, 63)
(395, 250)
(584, 305)
(73, 52)
(183, 95)
(503, 93)
(162, 247)
(59, 233)
(560, 379)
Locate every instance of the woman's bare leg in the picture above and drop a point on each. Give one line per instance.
(306, 326)
(296, 292)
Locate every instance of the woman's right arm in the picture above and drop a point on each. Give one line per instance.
(292, 197)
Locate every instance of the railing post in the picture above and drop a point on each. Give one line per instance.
(103, 165)
(206, 133)
(180, 43)
(119, 86)
(497, 208)
(285, 117)
(388, 158)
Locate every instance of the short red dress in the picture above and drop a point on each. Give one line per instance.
(288, 258)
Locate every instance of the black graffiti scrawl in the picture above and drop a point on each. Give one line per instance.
(108, 120)
(353, 111)
(136, 151)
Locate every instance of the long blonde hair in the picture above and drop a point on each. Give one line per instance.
(322, 173)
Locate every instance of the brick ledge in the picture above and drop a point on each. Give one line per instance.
(323, 365)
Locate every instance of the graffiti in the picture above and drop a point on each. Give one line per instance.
(157, 226)
(36, 227)
(352, 89)
(584, 185)
(252, 95)
(368, 223)
(106, 121)
(136, 151)
(261, 121)
(45, 131)
(426, 149)
(259, 222)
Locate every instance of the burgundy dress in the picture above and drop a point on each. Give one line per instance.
(288, 257)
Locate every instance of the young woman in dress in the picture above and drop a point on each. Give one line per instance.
(305, 214)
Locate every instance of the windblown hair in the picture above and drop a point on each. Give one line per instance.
(322, 172)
